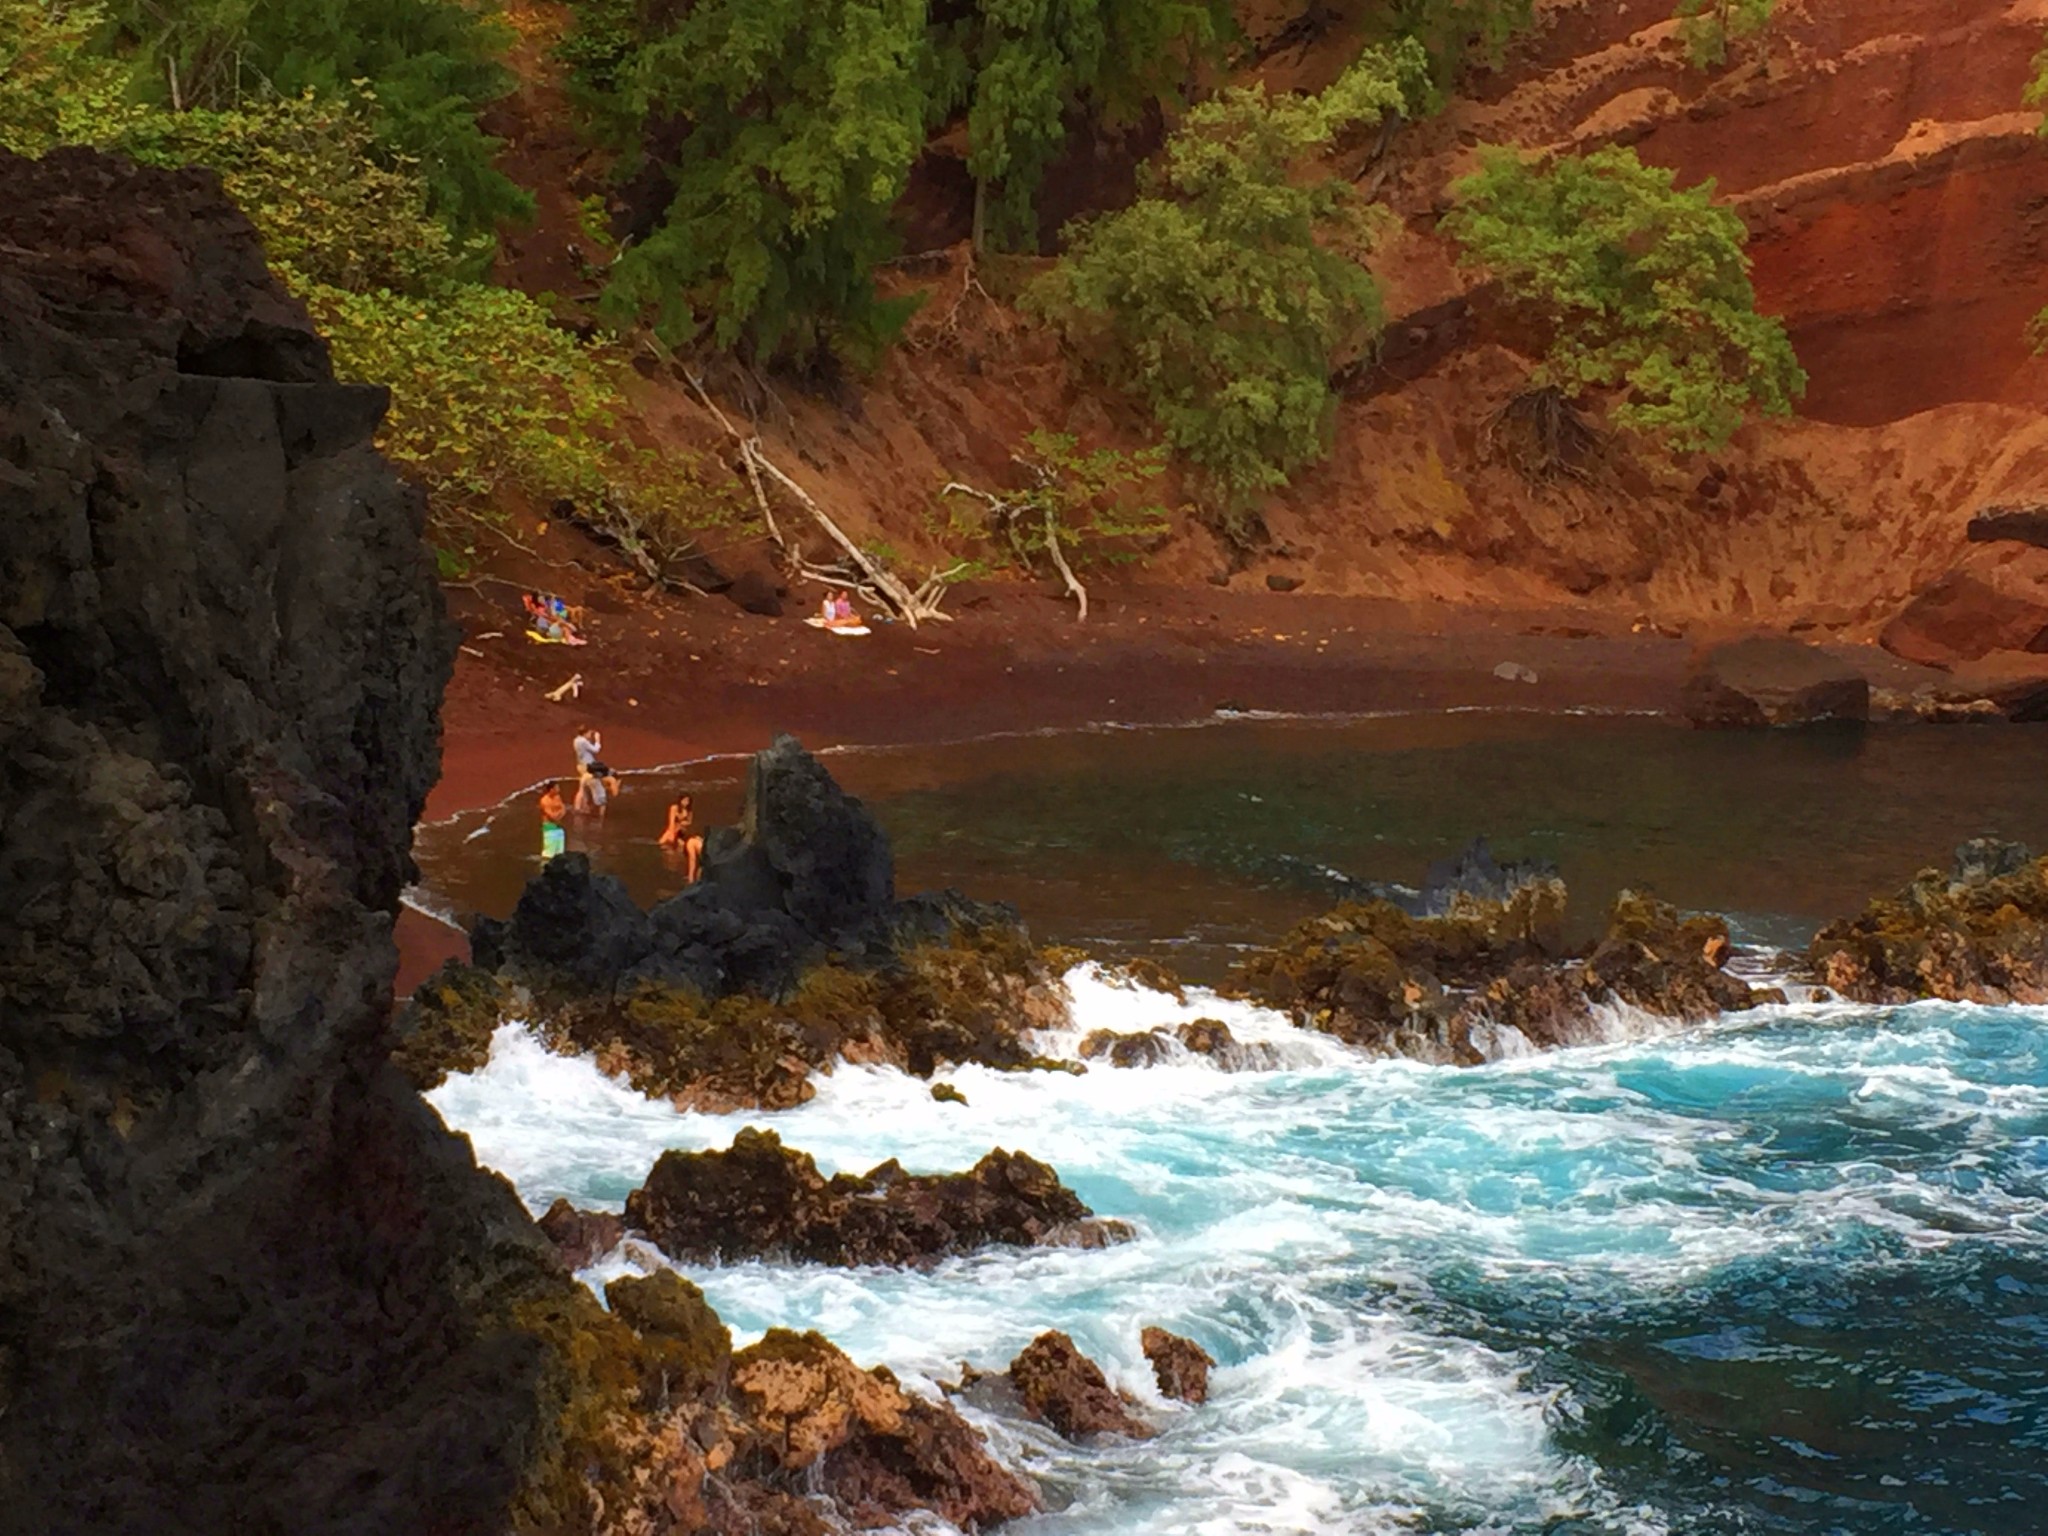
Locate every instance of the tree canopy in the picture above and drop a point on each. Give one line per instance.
(1224, 294)
(1645, 288)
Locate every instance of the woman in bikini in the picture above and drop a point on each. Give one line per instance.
(681, 833)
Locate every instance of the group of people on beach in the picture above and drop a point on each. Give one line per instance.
(596, 787)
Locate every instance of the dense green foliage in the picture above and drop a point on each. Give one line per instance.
(802, 118)
(1710, 26)
(429, 65)
(788, 129)
(1022, 66)
(1645, 287)
(1224, 295)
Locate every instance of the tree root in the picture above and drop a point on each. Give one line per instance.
(1543, 436)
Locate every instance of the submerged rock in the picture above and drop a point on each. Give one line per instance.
(760, 1199)
(1976, 932)
(1771, 681)
(1181, 1365)
(1062, 1386)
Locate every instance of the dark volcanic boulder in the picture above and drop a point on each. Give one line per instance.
(1181, 1365)
(1145, 1049)
(571, 927)
(1768, 681)
(831, 866)
(1976, 932)
(760, 1199)
(1065, 1388)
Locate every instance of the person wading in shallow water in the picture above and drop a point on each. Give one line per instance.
(553, 812)
(595, 783)
(681, 834)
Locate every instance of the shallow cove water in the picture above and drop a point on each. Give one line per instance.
(1187, 843)
(1781, 1273)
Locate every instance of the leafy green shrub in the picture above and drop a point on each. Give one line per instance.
(1095, 502)
(1710, 26)
(54, 87)
(1646, 289)
(1452, 33)
(488, 394)
(1223, 295)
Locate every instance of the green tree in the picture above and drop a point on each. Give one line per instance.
(1452, 33)
(1022, 66)
(1223, 296)
(431, 67)
(1710, 26)
(796, 122)
(1645, 287)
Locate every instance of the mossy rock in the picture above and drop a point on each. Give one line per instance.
(447, 1024)
(686, 1349)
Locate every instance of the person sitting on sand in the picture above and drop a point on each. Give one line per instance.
(553, 812)
(681, 833)
(837, 612)
(548, 617)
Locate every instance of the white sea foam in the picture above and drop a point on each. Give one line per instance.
(1297, 1222)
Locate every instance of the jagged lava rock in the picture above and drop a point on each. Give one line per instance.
(1445, 988)
(859, 1438)
(1977, 932)
(759, 1198)
(1767, 681)
(1181, 1365)
(1065, 1388)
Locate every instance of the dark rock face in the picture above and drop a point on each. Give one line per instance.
(248, 1282)
(762, 1199)
(1062, 1386)
(1446, 988)
(1976, 932)
(1181, 1365)
(580, 1236)
(1767, 681)
(241, 1259)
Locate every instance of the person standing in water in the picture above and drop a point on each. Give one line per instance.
(553, 812)
(595, 783)
(681, 834)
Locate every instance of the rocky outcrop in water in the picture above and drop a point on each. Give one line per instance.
(1059, 1384)
(793, 953)
(1181, 1365)
(248, 1282)
(1769, 681)
(1210, 1038)
(760, 1199)
(1975, 932)
(1490, 978)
